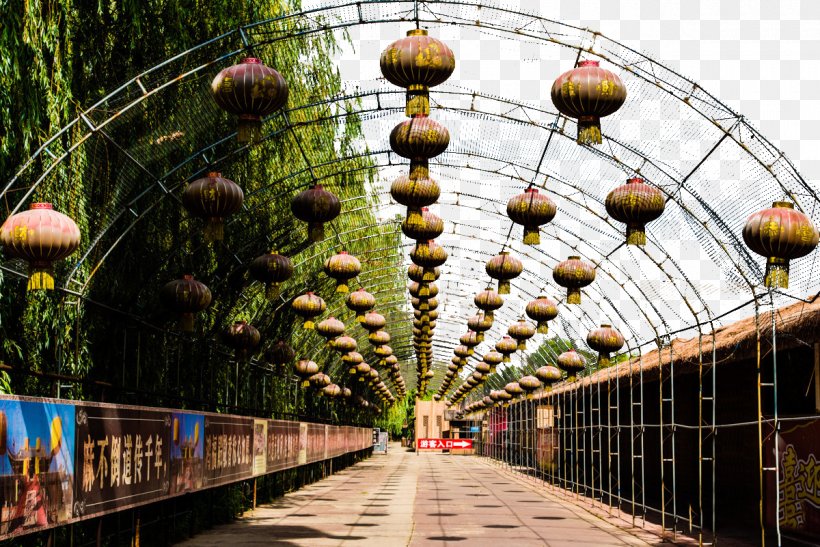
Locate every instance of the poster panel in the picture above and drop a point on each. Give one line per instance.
(228, 449)
(798, 450)
(260, 447)
(316, 442)
(187, 452)
(283, 445)
(122, 457)
(36, 465)
(303, 443)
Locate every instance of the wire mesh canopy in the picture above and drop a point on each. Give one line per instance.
(152, 134)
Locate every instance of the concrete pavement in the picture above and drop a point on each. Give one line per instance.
(407, 499)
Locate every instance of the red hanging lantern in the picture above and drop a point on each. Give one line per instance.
(332, 391)
(488, 301)
(352, 358)
(428, 255)
(330, 328)
(514, 389)
(280, 354)
(345, 344)
(470, 339)
(483, 368)
(548, 375)
(416, 273)
(521, 331)
(429, 227)
(588, 93)
(316, 206)
(504, 267)
(573, 274)
(423, 291)
(417, 63)
(506, 347)
(272, 269)
(419, 139)
(605, 340)
(780, 233)
(249, 90)
(40, 236)
(541, 310)
(242, 338)
(415, 192)
(309, 306)
(379, 338)
(532, 210)
(186, 297)
(360, 301)
(572, 362)
(305, 368)
(636, 204)
(373, 321)
(529, 384)
(343, 267)
(213, 198)
(480, 323)
(493, 358)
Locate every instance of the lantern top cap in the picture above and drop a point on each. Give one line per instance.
(417, 32)
(589, 62)
(574, 257)
(606, 326)
(634, 180)
(214, 174)
(342, 252)
(41, 205)
(531, 190)
(251, 61)
(776, 205)
(187, 277)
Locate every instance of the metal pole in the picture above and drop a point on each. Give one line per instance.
(776, 422)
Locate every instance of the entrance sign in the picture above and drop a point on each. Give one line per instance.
(439, 444)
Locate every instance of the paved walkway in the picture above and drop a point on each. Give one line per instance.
(408, 499)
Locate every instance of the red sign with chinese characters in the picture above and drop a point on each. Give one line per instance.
(438, 444)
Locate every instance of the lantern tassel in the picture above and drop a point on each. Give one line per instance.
(308, 324)
(522, 345)
(428, 274)
(777, 273)
(305, 383)
(40, 279)
(272, 291)
(635, 235)
(249, 129)
(341, 286)
(503, 286)
(589, 130)
(316, 231)
(214, 229)
(418, 100)
(414, 218)
(573, 296)
(603, 360)
(532, 235)
(360, 317)
(506, 358)
(571, 378)
(543, 328)
(186, 322)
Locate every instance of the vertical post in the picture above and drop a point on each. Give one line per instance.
(776, 422)
(759, 427)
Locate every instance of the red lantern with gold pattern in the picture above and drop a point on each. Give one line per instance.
(541, 310)
(186, 297)
(588, 93)
(316, 206)
(330, 328)
(780, 233)
(504, 267)
(379, 338)
(416, 273)
(430, 226)
(272, 269)
(480, 323)
(572, 362)
(280, 354)
(416, 192)
(242, 337)
(506, 347)
(342, 267)
(345, 344)
(521, 331)
(373, 321)
(488, 301)
(605, 340)
(514, 389)
(419, 139)
(483, 368)
(360, 301)
(417, 63)
(40, 236)
(309, 306)
(635, 204)
(249, 90)
(213, 198)
(429, 255)
(548, 375)
(529, 384)
(573, 274)
(532, 210)
(470, 339)
(305, 368)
